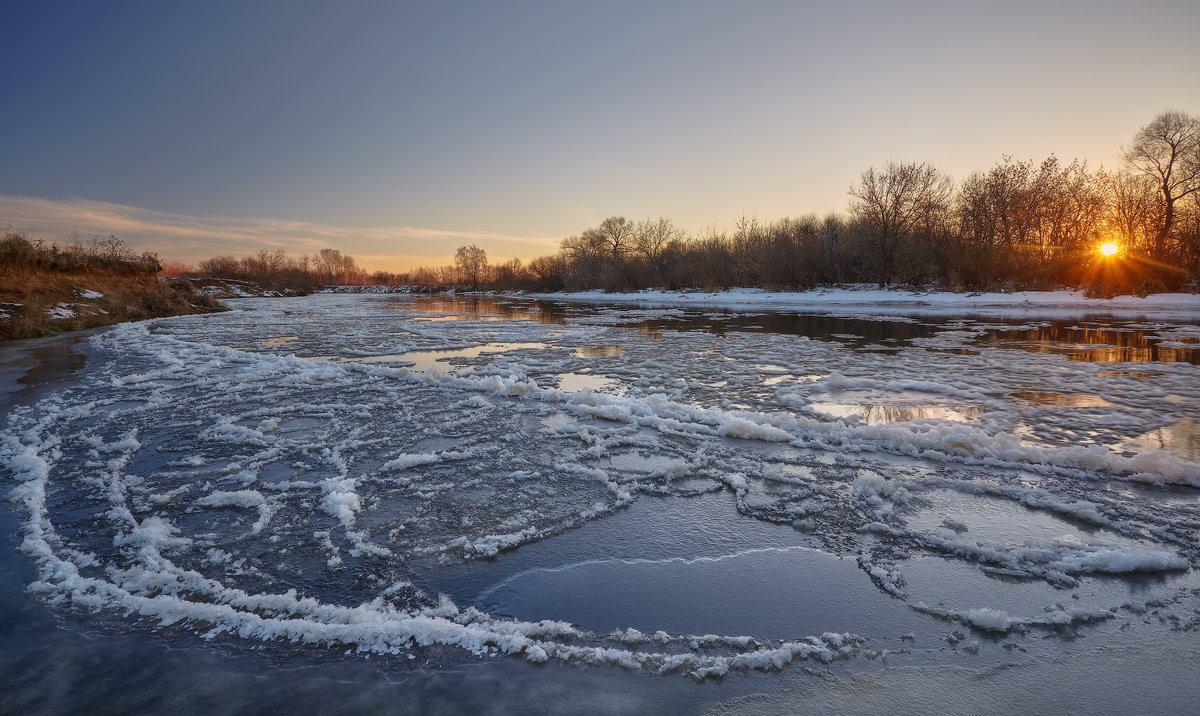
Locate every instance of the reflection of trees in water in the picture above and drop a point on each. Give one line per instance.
(1182, 439)
(600, 351)
(796, 324)
(812, 326)
(483, 308)
(876, 414)
(1094, 344)
(1082, 343)
(1062, 400)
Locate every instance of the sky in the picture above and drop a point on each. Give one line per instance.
(397, 132)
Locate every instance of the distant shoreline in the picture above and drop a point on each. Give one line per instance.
(1176, 306)
(86, 310)
(859, 299)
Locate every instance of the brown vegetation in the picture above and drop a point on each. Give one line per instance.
(49, 289)
(274, 270)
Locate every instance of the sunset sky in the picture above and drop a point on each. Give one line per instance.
(398, 132)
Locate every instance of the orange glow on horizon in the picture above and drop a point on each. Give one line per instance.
(1109, 249)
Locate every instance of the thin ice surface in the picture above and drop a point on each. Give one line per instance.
(279, 473)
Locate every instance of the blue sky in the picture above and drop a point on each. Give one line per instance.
(397, 132)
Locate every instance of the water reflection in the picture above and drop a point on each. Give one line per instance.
(1182, 439)
(29, 367)
(575, 382)
(1095, 343)
(1062, 400)
(878, 414)
(479, 308)
(600, 351)
(649, 332)
(854, 331)
(424, 360)
(1094, 339)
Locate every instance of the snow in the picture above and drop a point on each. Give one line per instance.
(240, 498)
(892, 300)
(198, 474)
(61, 311)
(989, 619)
(402, 462)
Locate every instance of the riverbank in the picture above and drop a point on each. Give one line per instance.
(38, 302)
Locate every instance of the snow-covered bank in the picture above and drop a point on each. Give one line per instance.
(1167, 306)
(354, 288)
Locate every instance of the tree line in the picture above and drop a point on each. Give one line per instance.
(275, 269)
(1016, 225)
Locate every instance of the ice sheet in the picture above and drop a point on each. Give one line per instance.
(206, 472)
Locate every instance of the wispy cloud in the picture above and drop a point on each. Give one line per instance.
(182, 237)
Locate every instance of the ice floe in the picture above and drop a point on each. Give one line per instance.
(275, 472)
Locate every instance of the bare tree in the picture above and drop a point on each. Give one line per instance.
(1134, 213)
(507, 275)
(1168, 149)
(583, 248)
(548, 270)
(616, 232)
(265, 265)
(349, 272)
(1072, 204)
(328, 265)
(471, 261)
(996, 207)
(584, 254)
(221, 267)
(898, 202)
(650, 238)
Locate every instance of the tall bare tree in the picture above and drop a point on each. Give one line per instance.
(897, 203)
(1168, 150)
(616, 232)
(471, 261)
(328, 265)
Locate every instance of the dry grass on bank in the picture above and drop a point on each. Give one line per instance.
(44, 291)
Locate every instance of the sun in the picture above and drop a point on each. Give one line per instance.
(1109, 249)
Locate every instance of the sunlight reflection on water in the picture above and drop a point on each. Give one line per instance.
(877, 414)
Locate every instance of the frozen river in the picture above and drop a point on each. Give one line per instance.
(356, 502)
